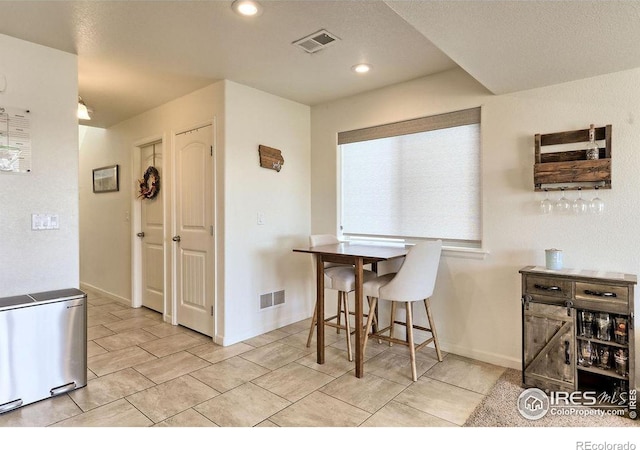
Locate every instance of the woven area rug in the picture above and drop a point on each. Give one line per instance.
(499, 409)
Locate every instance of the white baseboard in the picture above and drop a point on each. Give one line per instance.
(488, 357)
(234, 338)
(102, 292)
(478, 355)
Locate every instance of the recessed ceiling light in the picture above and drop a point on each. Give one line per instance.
(247, 7)
(361, 68)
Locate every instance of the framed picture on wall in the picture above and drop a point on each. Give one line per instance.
(105, 179)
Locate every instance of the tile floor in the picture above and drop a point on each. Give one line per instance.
(143, 372)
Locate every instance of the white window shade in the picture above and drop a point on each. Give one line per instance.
(419, 185)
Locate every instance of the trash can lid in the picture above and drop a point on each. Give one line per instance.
(60, 294)
(7, 302)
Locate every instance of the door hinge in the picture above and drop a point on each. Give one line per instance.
(212, 311)
(211, 230)
(211, 149)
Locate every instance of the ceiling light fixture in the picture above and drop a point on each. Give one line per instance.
(247, 7)
(361, 68)
(83, 111)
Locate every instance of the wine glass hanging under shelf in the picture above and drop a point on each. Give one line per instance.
(573, 168)
(578, 206)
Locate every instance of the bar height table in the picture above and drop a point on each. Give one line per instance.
(358, 255)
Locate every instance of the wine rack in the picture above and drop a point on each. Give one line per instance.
(570, 169)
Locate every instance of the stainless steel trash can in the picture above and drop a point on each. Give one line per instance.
(43, 346)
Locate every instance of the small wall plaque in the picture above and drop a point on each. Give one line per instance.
(270, 158)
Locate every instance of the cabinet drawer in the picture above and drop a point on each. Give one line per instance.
(595, 291)
(549, 287)
(602, 297)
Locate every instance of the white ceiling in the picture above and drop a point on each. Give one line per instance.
(136, 55)
(514, 45)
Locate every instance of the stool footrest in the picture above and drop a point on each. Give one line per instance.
(335, 325)
(398, 341)
(416, 327)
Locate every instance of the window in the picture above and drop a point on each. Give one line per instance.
(413, 179)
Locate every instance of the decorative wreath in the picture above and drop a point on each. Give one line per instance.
(150, 184)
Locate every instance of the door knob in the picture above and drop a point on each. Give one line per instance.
(141, 234)
(176, 238)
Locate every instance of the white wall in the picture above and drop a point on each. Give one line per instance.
(104, 230)
(45, 81)
(252, 259)
(259, 258)
(477, 301)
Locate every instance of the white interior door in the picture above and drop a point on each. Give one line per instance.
(194, 229)
(152, 220)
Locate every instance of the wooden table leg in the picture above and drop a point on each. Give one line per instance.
(320, 308)
(359, 307)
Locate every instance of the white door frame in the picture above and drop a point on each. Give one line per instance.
(174, 221)
(136, 223)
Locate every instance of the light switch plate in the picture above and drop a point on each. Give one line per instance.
(261, 218)
(45, 222)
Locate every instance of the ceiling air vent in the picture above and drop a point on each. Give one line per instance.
(316, 41)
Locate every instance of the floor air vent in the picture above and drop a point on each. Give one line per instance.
(266, 300)
(271, 299)
(316, 41)
(278, 298)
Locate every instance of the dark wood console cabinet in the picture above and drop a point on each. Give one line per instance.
(578, 330)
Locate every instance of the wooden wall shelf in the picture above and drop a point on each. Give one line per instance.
(570, 170)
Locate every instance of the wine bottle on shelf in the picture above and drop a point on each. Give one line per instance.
(593, 152)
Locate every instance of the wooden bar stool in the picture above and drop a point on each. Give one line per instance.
(341, 278)
(414, 281)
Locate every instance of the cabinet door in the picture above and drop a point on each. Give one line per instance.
(549, 346)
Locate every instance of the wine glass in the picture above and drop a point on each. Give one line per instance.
(597, 205)
(546, 205)
(563, 205)
(580, 205)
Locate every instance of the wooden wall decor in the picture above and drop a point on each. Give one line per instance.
(553, 170)
(270, 158)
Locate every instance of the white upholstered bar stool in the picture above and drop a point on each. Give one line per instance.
(341, 278)
(414, 281)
